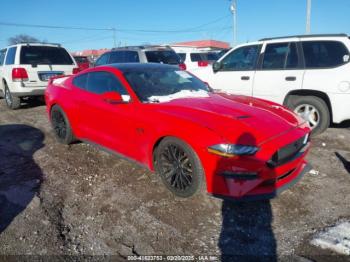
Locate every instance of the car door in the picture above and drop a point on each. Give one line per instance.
(237, 71)
(107, 123)
(279, 72)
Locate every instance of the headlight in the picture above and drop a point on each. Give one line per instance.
(230, 150)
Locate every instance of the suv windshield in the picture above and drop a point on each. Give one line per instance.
(163, 57)
(45, 55)
(161, 85)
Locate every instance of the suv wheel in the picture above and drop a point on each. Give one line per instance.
(12, 102)
(312, 109)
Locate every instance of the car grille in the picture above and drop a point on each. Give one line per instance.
(289, 152)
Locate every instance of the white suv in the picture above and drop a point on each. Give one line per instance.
(25, 69)
(309, 74)
(194, 58)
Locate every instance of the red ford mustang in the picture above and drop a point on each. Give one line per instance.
(171, 122)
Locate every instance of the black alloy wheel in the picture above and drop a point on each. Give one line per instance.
(179, 167)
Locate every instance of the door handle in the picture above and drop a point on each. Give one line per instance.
(245, 78)
(291, 78)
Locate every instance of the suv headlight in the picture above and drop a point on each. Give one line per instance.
(230, 150)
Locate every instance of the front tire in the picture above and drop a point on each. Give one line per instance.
(61, 126)
(312, 109)
(12, 102)
(179, 167)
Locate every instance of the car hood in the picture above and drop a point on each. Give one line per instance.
(231, 115)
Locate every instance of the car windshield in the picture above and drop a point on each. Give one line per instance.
(45, 55)
(163, 57)
(162, 85)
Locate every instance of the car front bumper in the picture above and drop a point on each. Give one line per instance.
(263, 175)
(274, 191)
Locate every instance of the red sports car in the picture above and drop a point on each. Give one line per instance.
(171, 122)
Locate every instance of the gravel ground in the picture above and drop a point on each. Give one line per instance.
(78, 200)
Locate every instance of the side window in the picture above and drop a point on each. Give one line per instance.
(292, 57)
(102, 82)
(243, 58)
(280, 56)
(275, 56)
(80, 81)
(2, 56)
(10, 58)
(324, 54)
(103, 60)
(124, 57)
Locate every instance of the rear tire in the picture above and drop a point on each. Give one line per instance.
(61, 126)
(179, 167)
(313, 109)
(12, 102)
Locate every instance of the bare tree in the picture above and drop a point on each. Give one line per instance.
(22, 38)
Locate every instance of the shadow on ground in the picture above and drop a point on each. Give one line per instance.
(20, 176)
(246, 232)
(345, 162)
(344, 124)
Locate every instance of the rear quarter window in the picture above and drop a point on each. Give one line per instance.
(10, 57)
(324, 54)
(2, 56)
(102, 60)
(80, 81)
(45, 55)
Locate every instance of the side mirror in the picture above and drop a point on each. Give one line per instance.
(217, 66)
(115, 98)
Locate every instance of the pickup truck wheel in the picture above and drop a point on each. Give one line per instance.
(312, 109)
(12, 102)
(179, 167)
(61, 126)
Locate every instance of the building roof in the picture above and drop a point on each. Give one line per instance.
(91, 52)
(204, 44)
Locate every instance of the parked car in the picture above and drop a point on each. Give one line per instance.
(194, 58)
(82, 61)
(141, 54)
(25, 69)
(309, 74)
(169, 121)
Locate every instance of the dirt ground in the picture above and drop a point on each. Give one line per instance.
(78, 200)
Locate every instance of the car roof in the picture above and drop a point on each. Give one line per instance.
(127, 67)
(141, 47)
(35, 44)
(305, 36)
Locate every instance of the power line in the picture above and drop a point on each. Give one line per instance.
(55, 27)
(193, 29)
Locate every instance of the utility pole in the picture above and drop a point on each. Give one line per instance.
(114, 37)
(233, 9)
(308, 18)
